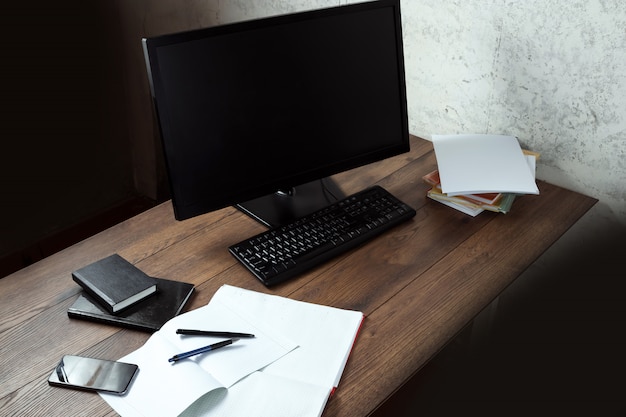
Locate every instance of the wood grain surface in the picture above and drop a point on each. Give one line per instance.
(418, 285)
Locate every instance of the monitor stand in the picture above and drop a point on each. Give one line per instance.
(283, 207)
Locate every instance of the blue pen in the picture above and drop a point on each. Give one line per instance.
(201, 350)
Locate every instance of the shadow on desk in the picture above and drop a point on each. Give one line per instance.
(555, 345)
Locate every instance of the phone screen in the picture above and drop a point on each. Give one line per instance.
(93, 374)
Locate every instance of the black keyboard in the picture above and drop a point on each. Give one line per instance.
(286, 251)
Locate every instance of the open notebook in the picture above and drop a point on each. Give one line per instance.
(290, 368)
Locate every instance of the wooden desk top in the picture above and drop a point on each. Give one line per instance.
(418, 285)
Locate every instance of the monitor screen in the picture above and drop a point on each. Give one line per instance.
(256, 108)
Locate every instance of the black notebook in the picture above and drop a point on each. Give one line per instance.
(115, 283)
(147, 315)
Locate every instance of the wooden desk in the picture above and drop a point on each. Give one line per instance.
(419, 285)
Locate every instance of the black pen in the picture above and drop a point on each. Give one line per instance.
(191, 332)
(201, 350)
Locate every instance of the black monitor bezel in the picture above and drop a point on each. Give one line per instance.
(182, 212)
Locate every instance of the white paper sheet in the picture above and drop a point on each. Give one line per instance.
(324, 335)
(167, 389)
(262, 394)
(474, 164)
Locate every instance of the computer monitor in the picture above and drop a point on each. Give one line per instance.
(258, 114)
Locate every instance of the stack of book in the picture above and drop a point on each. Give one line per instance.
(472, 204)
(481, 172)
(117, 292)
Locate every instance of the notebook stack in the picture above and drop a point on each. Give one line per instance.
(117, 292)
(481, 172)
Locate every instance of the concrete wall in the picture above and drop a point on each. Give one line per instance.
(551, 72)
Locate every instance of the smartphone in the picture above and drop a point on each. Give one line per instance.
(91, 374)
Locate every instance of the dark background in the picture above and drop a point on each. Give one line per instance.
(80, 146)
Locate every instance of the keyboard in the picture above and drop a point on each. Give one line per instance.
(283, 252)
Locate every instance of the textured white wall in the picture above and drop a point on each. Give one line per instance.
(551, 72)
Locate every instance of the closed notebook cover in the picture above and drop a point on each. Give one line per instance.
(115, 282)
(148, 315)
(477, 164)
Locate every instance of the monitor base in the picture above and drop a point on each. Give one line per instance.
(283, 207)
